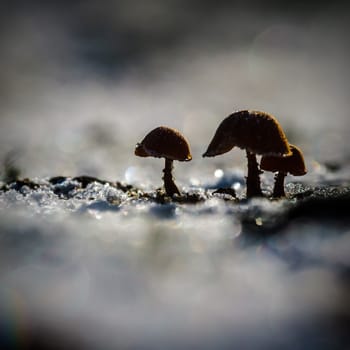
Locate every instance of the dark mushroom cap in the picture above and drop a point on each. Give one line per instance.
(293, 164)
(166, 143)
(258, 132)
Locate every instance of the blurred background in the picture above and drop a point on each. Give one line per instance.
(81, 82)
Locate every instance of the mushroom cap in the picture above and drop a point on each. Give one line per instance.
(293, 164)
(257, 132)
(166, 143)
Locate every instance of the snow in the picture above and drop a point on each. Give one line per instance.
(109, 270)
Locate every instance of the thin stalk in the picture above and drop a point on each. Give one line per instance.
(253, 178)
(169, 184)
(278, 189)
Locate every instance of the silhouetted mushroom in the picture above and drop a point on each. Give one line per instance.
(164, 142)
(293, 164)
(257, 133)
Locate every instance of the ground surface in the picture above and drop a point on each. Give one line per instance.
(105, 264)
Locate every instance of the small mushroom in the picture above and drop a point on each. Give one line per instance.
(164, 142)
(293, 164)
(257, 133)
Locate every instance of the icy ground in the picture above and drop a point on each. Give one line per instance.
(106, 265)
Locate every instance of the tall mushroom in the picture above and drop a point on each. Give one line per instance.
(164, 142)
(293, 164)
(257, 133)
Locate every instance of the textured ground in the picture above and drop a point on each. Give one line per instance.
(97, 264)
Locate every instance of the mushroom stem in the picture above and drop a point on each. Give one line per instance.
(253, 179)
(278, 189)
(169, 184)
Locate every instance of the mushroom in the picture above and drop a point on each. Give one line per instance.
(257, 133)
(164, 142)
(293, 164)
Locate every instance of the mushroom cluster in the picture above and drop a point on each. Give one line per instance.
(258, 133)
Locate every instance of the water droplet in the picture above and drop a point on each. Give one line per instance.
(258, 221)
(131, 174)
(236, 186)
(218, 173)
